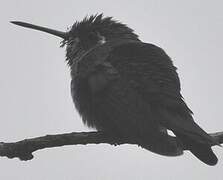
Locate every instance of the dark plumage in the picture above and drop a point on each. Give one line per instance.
(128, 88)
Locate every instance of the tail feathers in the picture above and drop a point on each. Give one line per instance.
(201, 150)
(205, 154)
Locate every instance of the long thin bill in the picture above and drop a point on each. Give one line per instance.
(61, 34)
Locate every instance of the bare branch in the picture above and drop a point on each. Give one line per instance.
(24, 149)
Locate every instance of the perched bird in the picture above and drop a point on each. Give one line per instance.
(128, 88)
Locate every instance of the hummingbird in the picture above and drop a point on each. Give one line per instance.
(127, 88)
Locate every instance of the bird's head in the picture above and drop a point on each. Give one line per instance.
(87, 34)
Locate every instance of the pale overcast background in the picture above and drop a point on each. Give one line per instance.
(35, 86)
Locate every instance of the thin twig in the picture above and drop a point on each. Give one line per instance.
(24, 149)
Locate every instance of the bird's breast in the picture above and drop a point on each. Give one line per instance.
(86, 102)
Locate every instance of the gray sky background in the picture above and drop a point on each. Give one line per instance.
(35, 86)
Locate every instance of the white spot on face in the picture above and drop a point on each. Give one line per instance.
(102, 40)
(171, 133)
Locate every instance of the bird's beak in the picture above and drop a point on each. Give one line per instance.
(61, 34)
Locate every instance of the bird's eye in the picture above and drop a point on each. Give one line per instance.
(74, 41)
(92, 36)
